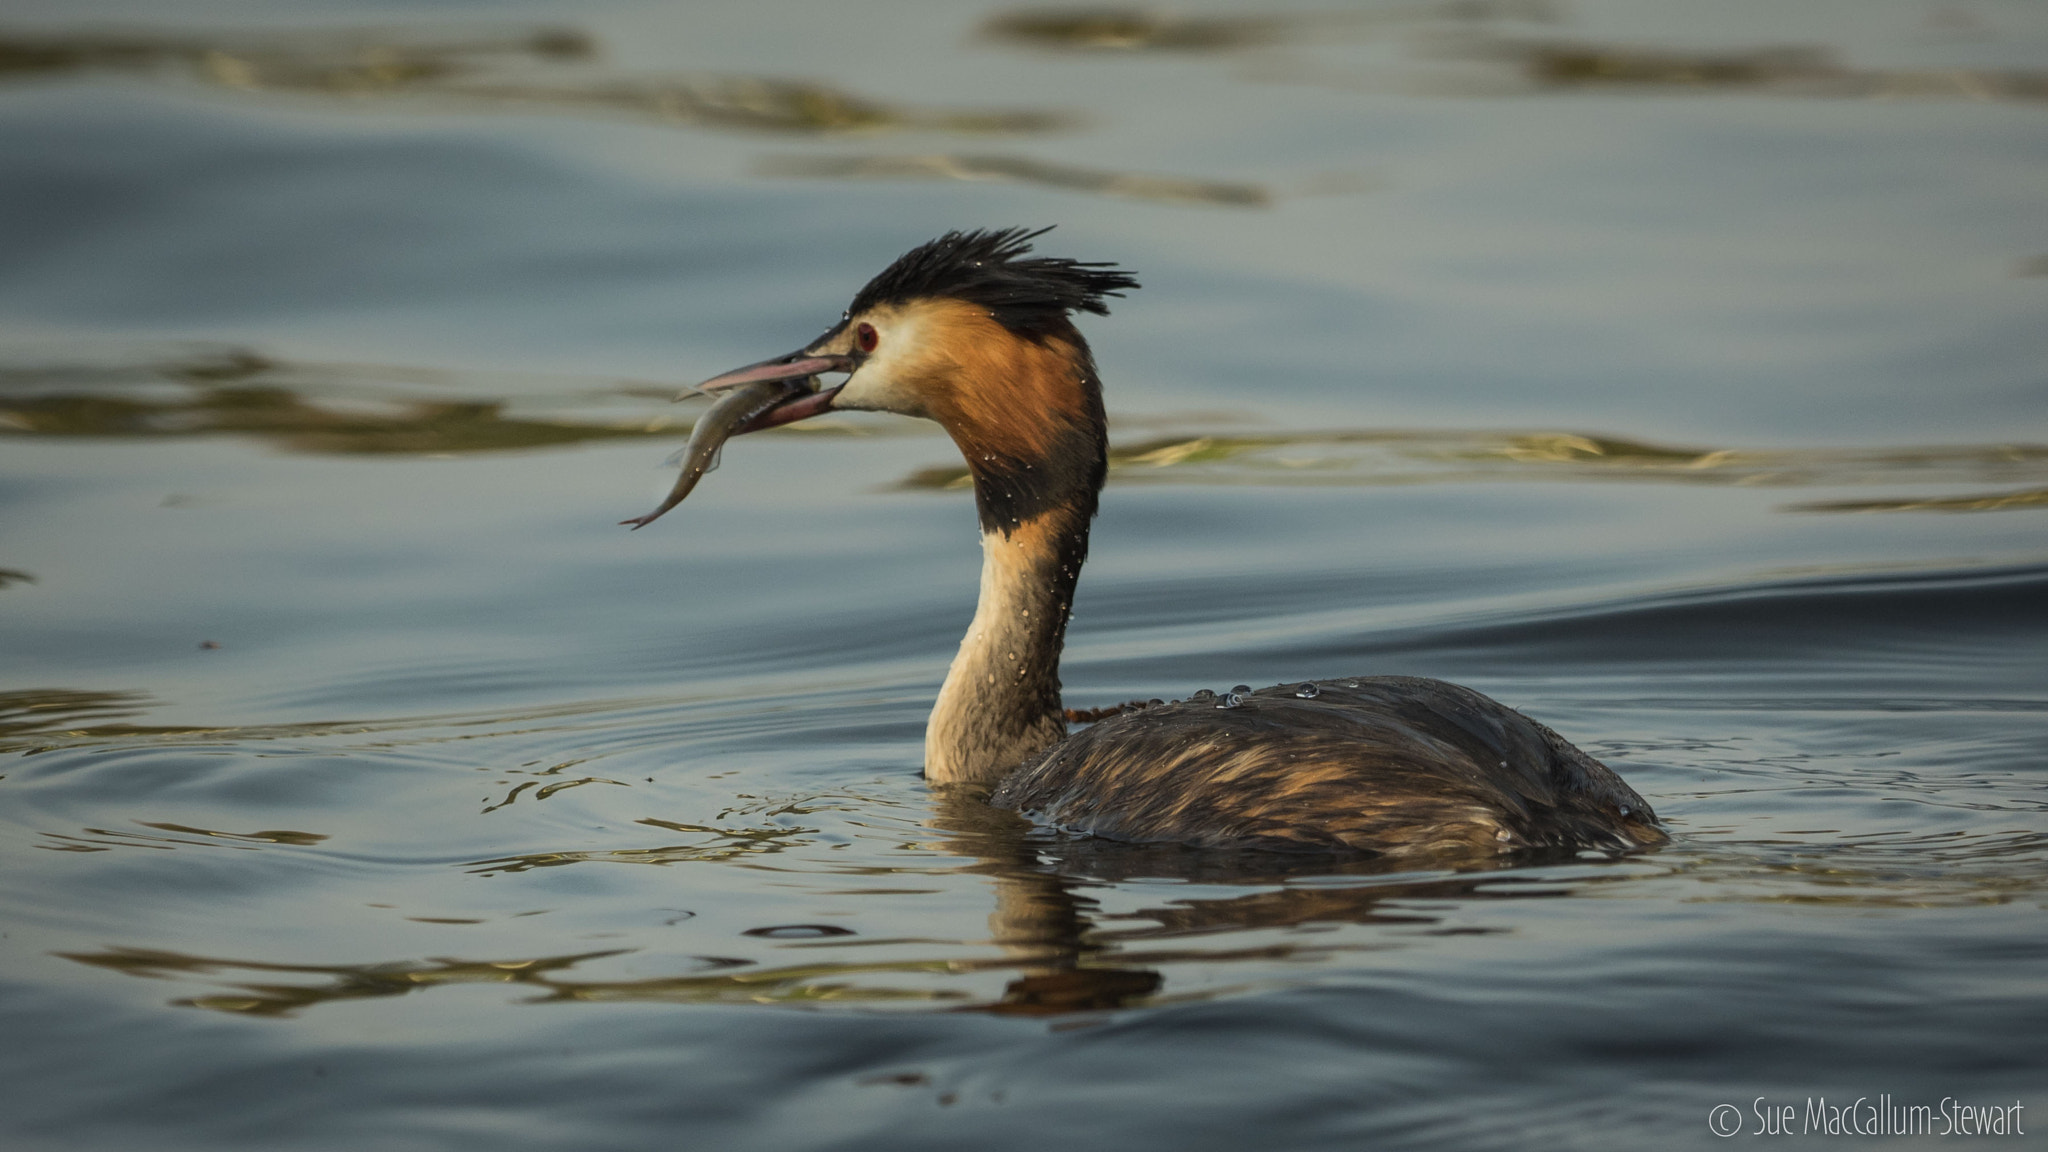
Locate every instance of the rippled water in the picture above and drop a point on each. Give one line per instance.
(1671, 372)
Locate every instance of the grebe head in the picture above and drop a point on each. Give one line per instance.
(971, 332)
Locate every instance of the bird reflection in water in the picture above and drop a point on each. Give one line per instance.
(1072, 959)
(1065, 958)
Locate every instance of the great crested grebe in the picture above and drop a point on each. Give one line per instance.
(966, 331)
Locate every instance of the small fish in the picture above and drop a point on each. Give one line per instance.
(719, 424)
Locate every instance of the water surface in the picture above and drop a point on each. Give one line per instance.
(1671, 373)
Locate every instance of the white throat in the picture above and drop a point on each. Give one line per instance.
(1000, 704)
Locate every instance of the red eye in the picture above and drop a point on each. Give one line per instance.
(864, 336)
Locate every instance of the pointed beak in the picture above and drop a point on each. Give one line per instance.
(796, 365)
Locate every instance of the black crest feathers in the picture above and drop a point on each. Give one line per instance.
(1028, 297)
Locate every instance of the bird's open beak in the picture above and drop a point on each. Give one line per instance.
(795, 366)
(787, 385)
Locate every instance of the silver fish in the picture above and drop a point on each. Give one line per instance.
(719, 424)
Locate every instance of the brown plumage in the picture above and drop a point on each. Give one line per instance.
(968, 332)
(1377, 763)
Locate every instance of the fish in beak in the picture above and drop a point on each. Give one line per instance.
(777, 391)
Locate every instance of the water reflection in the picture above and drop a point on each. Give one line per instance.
(1080, 926)
(759, 104)
(1568, 65)
(533, 68)
(1800, 70)
(1479, 63)
(1132, 29)
(311, 60)
(355, 409)
(44, 720)
(1152, 30)
(1885, 870)
(349, 409)
(1987, 502)
(546, 975)
(547, 782)
(1065, 956)
(67, 712)
(290, 421)
(1021, 170)
(1469, 50)
(344, 982)
(105, 839)
(715, 845)
(1045, 920)
(1453, 455)
(1059, 953)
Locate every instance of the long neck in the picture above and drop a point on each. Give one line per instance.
(1000, 704)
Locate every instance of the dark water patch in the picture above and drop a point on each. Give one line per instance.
(1949, 619)
(398, 219)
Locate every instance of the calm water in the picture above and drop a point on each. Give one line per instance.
(1672, 372)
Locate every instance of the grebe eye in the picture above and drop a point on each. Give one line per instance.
(864, 335)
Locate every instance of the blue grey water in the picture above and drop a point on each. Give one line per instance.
(1676, 373)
